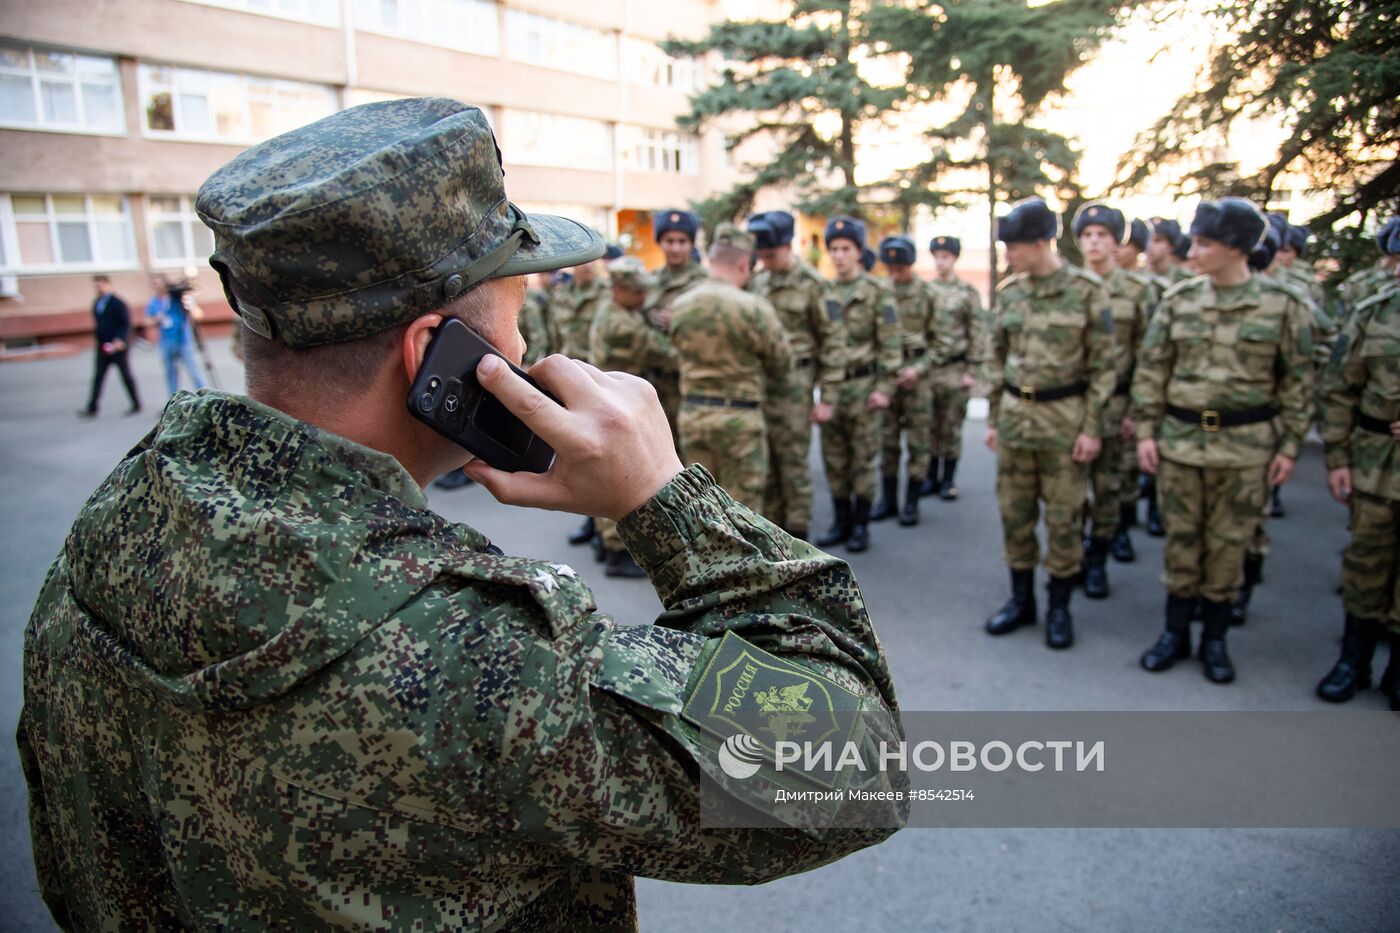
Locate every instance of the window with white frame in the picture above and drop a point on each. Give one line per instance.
(321, 12)
(649, 65)
(531, 138)
(663, 151)
(216, 106)
(555, 43)
(467, 25)
(55, 90)
(177, 236)
(68, 232)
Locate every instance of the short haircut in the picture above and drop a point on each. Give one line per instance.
(727, 255)
(346, 368)
(102, 278)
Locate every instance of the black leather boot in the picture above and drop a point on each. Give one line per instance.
(1122, 546)
(947, 490)
(1017, 611)
(1174, 644)
(584, 533)
(860, 527)
(621, 564)
(1352, 672)
(840, 528)
(887, 506)
(1276, 504)
(456, 479)
(909, 515)
(1154, 515)
(931, 484)
(1096, 569)
(1059, 625)
(1215, 660)
(1253, 575)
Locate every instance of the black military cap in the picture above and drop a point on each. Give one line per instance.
(1264, 253)
(1138, 234)
(1235, 222)
(1169, 229)
(371, 217)
(1181, 249)
(1298, 237)
(675, 219)
(898, 250)
(867, 259)
(1388, 238)
(1097, 213)
(845, 227)
(1028, 221)
(949, 244)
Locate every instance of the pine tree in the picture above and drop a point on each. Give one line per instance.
(789, 76)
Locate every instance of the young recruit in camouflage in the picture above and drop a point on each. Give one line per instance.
(536, 324)
(731, 348)
(818, 346)
(911, 409)
(1214, 350)
(670, 285)
(961, 329)
(267, 687)
(850, 440)
(1050, 332)
(1365, 381)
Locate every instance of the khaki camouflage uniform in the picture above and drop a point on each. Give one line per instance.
(573, 317)
(1131, 298)
(670, 285)
(265, 687)
(536, 320)
(819, 360)
(730, 346)
(622, 341)
(1366, 381)
(1048, 333)
(1204, 353)
(911, 410)
(865, 306)
(961, 327)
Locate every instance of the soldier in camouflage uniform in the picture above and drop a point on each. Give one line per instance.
(731, 347)
(1222, 396)
(575, 310)
(675, 232)
(1364, 283)
(865, 307)
(961, 327)
(1130, 259)
(265, 686)
(622, 341)
(1052, 353)
(798, 293)
(1100, 230)
(536, 323)
(911, 408)
(1361, 430)
(1128, 256)
(1161, 246)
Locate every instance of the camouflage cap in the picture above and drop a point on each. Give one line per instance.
(371, 217)
(727, 234)
(629, 272)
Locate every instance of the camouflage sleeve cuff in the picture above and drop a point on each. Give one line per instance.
(1337, 456)
(1146, 430)
(1290, 446)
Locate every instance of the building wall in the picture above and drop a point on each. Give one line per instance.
(357, 64)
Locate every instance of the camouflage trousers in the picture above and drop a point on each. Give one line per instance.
(732, 443)
(667, 384)
(910, 411)
(788, 412)
(949, 411)
(1210, 514)
(1371, 562)
(1128, 494)
(1106, 473)
(1027, 477)
(607, 530)
(849, 442)
(1259, 541)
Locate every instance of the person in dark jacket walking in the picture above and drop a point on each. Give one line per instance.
(112, 330)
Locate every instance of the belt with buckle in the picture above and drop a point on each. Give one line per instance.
(1372, 424)
(1031, 396)
(867, 370)
(714, 401)
(1211, 420)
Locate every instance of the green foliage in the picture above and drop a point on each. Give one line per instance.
(1327, 70)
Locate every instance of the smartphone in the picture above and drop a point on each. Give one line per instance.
(447, 398)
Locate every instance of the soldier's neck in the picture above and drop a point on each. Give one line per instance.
(847, 277)
(1160, 268)
(949, 277)
(1231, 276)
(1100, 267)
(1048, 267)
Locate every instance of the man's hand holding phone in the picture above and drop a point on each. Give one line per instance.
(612, 443)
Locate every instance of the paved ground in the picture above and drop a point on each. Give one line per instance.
(928, 589)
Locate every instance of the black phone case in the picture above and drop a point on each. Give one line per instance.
(447, 398)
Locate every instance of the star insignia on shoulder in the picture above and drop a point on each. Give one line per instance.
(545, 580)
(564, 570)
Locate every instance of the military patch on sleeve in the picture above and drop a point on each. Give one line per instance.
(833, 309)
(887, 313)
(1107, 318)
(745, 689)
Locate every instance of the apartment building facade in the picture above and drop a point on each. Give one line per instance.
(112, 115)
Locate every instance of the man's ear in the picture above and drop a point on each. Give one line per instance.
(415, 343)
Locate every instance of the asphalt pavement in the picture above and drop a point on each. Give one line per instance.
(928, 589)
